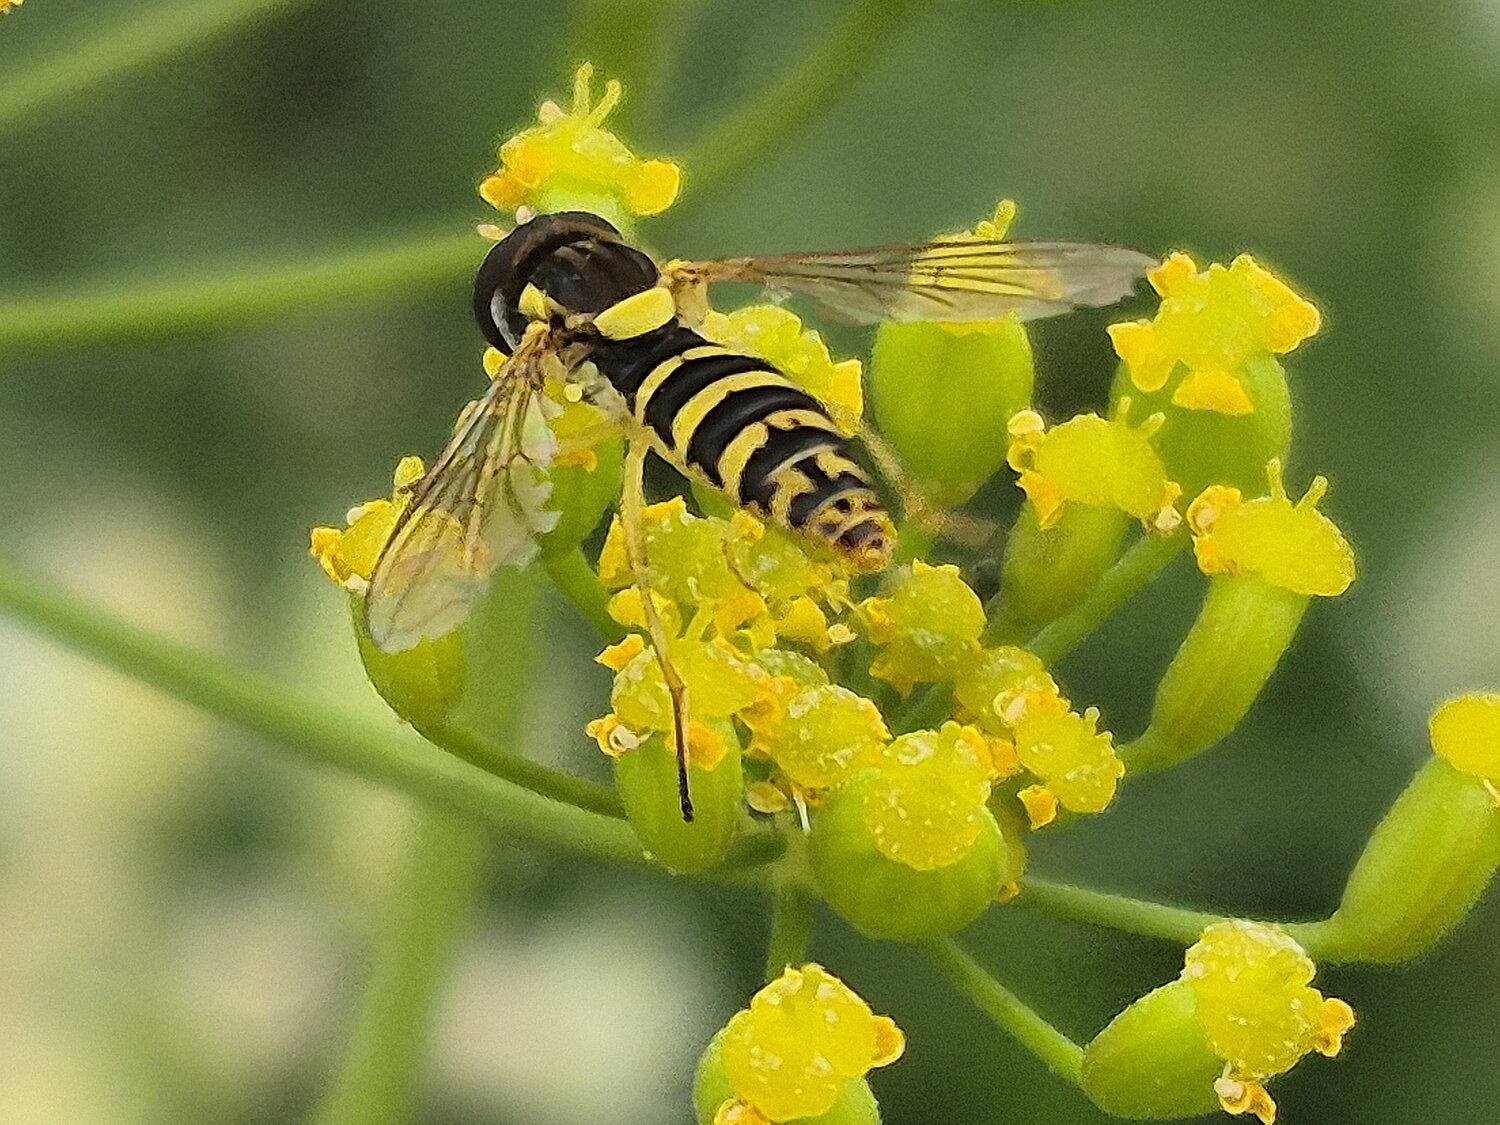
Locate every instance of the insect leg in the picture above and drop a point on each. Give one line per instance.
(632, 505)
(916, 506)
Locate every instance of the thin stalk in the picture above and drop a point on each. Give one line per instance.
(522, 771)
(791, 926)
(230, 294)
(309, 729)
(1130, 573)
(571, 574)
(1062, 1056)
(429, 909)
(809, 88)
(1115, 912)
(131, 41)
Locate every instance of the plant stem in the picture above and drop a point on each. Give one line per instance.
(571, 573)
(791, 926)
(132, 42)
(231, 294)
(314, 732)
(832, 65)
(1115, 912)
(1116, 586)
(523, 771)
(1062, 1056)
(429, 907)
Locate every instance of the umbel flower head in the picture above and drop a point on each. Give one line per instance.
(570, 153)
(1243, 1011)
(1212, 322)
(800, 1049)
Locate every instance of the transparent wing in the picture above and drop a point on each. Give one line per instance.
(974, 279)
(480, 506)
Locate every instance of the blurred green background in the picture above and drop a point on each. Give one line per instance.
(185, 914)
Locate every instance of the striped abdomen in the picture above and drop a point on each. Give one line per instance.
(737, 423)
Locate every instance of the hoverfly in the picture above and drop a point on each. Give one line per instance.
(565, 292)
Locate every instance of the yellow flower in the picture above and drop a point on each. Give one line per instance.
(348, 556)
(924, 807)
(1212, 322)
(1258, 1009)
(1075, 761)
(925, 627)
(1466, 731)
(804, 1038)
(1000, 687)
(818, 734)
(1093, 461)
(570, 151)
(1295, 547)
(775, 334)
(7, 5)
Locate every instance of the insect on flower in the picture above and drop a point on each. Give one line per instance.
(565, 296)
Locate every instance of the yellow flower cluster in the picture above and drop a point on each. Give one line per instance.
(791, 1055)
(1212, 322)
(1293, 546)
(569, 151)
(1093, 461)
(1257, 1008)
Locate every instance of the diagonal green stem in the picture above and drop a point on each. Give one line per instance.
(132, 41)
(102, 313)
(571, 574)
(791, 926)
(1062, 1056)
(1136, 567)
(523, 771)
(429, 908)
(309, 729)
(1115, 912)
(738, 139)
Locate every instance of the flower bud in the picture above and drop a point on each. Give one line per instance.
(1267, 558)
(647, 780)
(959, 380)
(799, 1052)
(1431, 856)
(1206, 363)
(1049, 570)
(911, 851)
(1243, 1011)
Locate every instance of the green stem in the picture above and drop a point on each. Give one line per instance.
(831, 67)
(232, 294)
(132, 42)
(429, 909)
(791, 926)
(1062, 1056)
(310, 730)
(1115, 912)
(571, 573)
(1116, 586)
(523, 771)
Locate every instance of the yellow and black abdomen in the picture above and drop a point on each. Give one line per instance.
(740, 425)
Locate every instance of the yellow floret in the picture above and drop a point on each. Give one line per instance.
(819, 734)
(1094, 461)
(923, 809)
(805, 1036)
(1292, 546)
(349, 555)
(1076, 761)
(926, 627)
(571, 151)
(1466, 731)
(1212, 321)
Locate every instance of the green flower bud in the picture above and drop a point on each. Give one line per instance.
(886, 898)
(1201, 447)
(423, 683)
(1049, 570)
(582, 492)
(647, 779)
(960, 380)
(1243, 627)
(1424, 867)
(1153, 1061)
